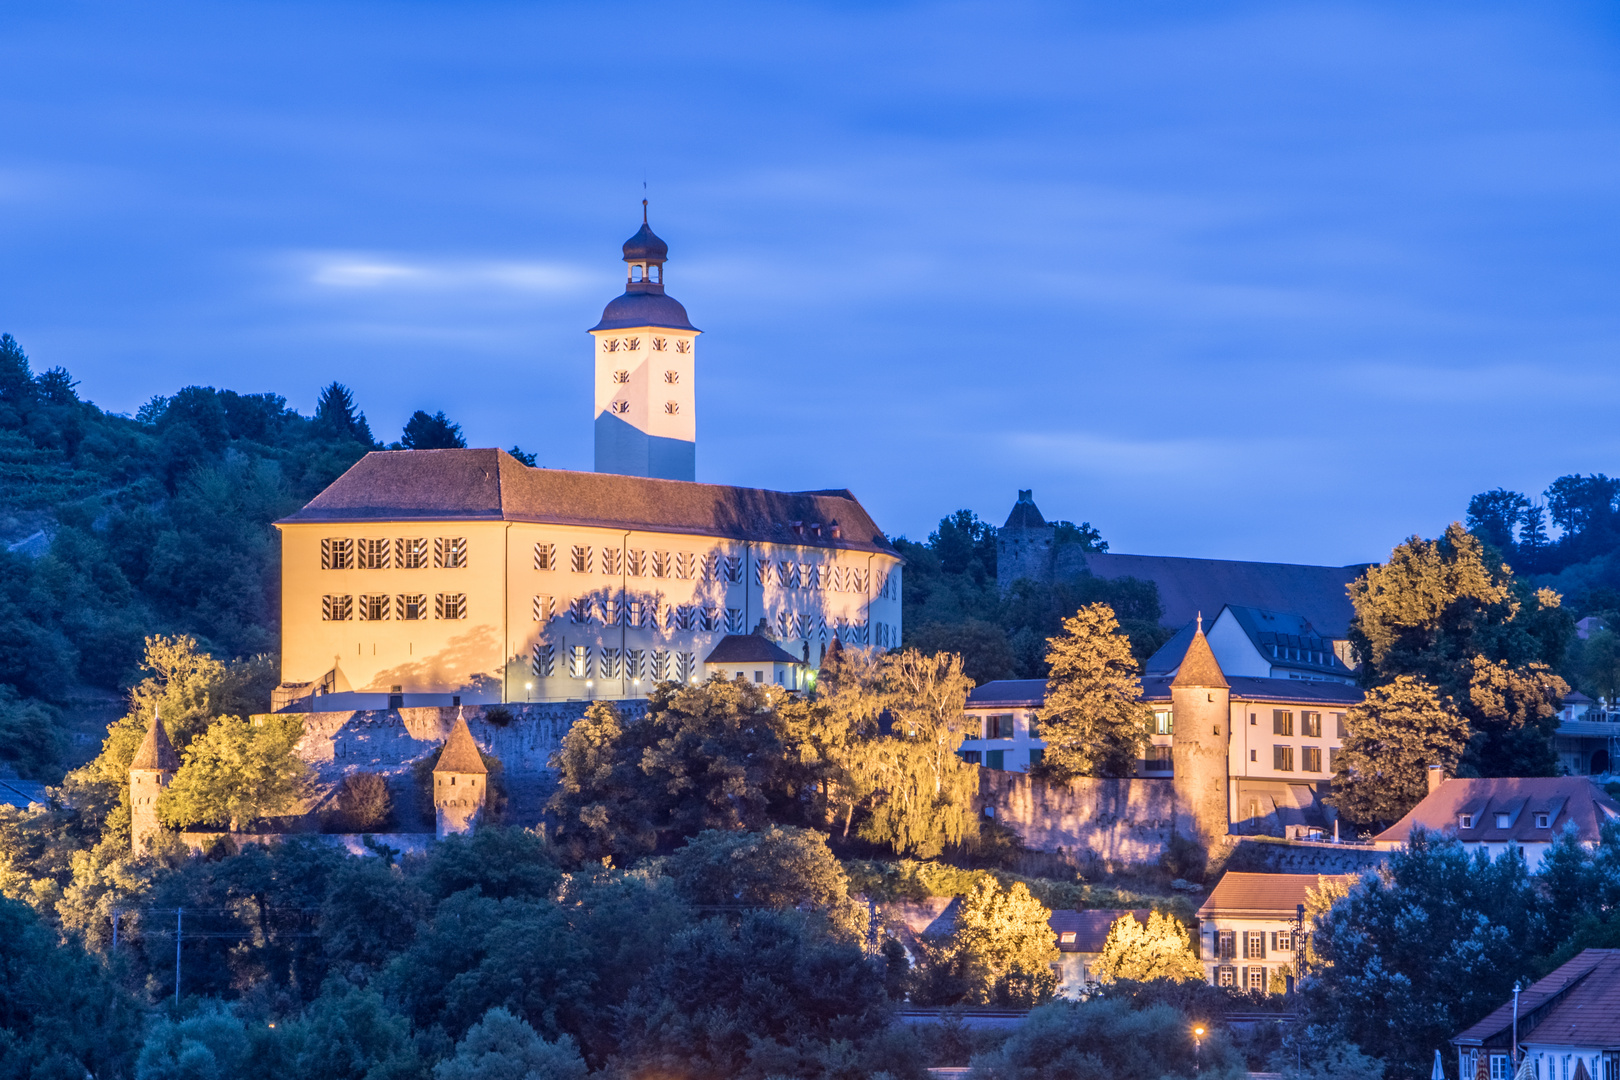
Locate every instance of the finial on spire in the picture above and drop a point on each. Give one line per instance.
(644, 211)
(1200, 622)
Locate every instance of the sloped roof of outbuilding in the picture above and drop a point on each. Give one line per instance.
(491, 485)
(1565, 800)
(749, 649)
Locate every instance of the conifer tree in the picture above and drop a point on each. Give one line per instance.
(336, 415)
(436, 432)
(1394, 735)
(1138, 953)
(1093, 722)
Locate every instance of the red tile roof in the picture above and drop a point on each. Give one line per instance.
(1241, 895)
(1564, 799)
(1578, 1005)
(460, 752)
(156, 751)
(1090, 928)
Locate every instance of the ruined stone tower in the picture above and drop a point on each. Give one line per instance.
(150, 772)
(1200, 702)
(460, 782)
(1024, 544)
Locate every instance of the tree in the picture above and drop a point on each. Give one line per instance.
(337, 417)
(1494, 515)
(1395, 734)
(1319, 1053)
(362, 803)
(781, 868)
(503, 1047)
(600, 804)
(1596, 663)
(436, 432)
(527, 458)
(1093, 722)
(1137, 953)
(1514, 713)
(31, 741)
(1409, 957)
(1109, 1038)
(238, 771)
(962, 542)
(1002, 945)
(983, 646)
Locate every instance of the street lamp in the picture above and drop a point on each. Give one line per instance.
(1513, 1062)
(1198, 1049)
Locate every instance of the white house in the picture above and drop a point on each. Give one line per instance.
(1568, 1025)
(1493, 813)
(1249, 925)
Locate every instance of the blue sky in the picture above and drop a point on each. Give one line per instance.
(1274, 281)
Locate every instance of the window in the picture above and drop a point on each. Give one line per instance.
(762, 573)
(373, 608)
(1159, 759)
(1033, 723)
(1254, 755)
(621, 377)
(970, 756)
(634, 661)
(660, 564)
(1465, 821)
(685, 617)
(995, 759)
(1282, 722)
(1226, 976)
(685, 565)
(733, 568)
(1163, 722)
(1310, 759)
(1226, 944)
(1036, 756)
(579, 610)
(660, 344)
(545, 660)
(337, 608)
(337, 554)
(685, 666)
(1253, 719)
(1310, 725)
(1066, 937)
(1338, 725)
(1256, 979)
(374, 554)
(581, 559)
(1503, 821)
(672, 408)
(450, 606)
(450, 552)
(545, 556)
(1282, 758)
(412, 606)
(711, 620)
(759, 676)
(579, 662)
(1541, 821)
(1254, 945)
(672, 377)
(787, 575)
(660, 664)
(618, 407)
(1333, 759)
(610, 663)
(1282, 940)
(633, 344)
(999, 726)
(1499, 1067)
(734, 620)
(610, 560)
(683, 345)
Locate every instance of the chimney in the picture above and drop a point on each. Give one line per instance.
(1436, 775)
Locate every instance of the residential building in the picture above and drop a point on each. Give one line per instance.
(1587, 741)
(1568, 1025)
(1281, 738)
(1492, 813)
(756, 658)
(1081, 936)
(1260, 643)
(442, 577)
(1250, 926)
(1029, 546)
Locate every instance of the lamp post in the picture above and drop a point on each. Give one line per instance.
(1513, 1062)
(1198, 1050)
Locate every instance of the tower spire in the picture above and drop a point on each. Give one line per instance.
(644, 211)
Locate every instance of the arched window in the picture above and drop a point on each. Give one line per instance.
(635, 273)
(657, 273)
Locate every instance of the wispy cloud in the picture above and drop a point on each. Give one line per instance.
(380, 273)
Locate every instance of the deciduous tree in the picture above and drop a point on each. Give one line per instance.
(1137, 953)
(238, 771)
(782, 868)
(1395, 734)
(1093, 722)
(1002, 945)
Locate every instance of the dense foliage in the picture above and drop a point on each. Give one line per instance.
(1094, 722)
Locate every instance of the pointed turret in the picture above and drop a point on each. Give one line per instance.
(151, 770)
(1199, 666)
(1201, 702)
(460, 781)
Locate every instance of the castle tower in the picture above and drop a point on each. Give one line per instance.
(150, 772)
(1024, 544)
(645, 345)
(460, 782)
(1200, 702)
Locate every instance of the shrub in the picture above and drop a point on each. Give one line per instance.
(362, 804)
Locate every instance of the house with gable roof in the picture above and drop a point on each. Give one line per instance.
(1568, 1025)
(1492, 813)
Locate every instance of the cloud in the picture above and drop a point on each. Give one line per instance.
(334, 272)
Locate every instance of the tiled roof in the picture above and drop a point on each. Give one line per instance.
(156, 751)
(1008, 694)
(21, 793)
(1288, 640)
(1563, 799)
(1190, 586)
(1578, 1005)
(491, 485)
(1025, 514)
(1090, 928)
(750, 649)
(1281, 691)
(460, 752)
(1199, 667)
(1259, 896)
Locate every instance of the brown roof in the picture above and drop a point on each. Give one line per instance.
(1090, 928)
(1260, 896)
(1563, 799)
(1199, 667)
(460, 752)
(1578, 1005)
(156, 751)
(750, 649)
(491, 485)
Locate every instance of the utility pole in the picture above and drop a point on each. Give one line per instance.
(1514, 1061)
(179, 925)
(1299, 1012)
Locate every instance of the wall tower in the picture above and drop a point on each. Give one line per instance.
(460, 782)
(151, 771)
(1024, 544)
(1200, 702)
(645, 347)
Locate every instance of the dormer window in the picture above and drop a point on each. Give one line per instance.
(1504, 820)
(1541, 821)
(1465, 821)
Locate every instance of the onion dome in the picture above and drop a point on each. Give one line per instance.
(645, 246)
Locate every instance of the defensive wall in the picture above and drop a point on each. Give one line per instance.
(1115, 821)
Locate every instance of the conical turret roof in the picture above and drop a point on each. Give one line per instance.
(1199, 666)
(156, 751)
(460, 752)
